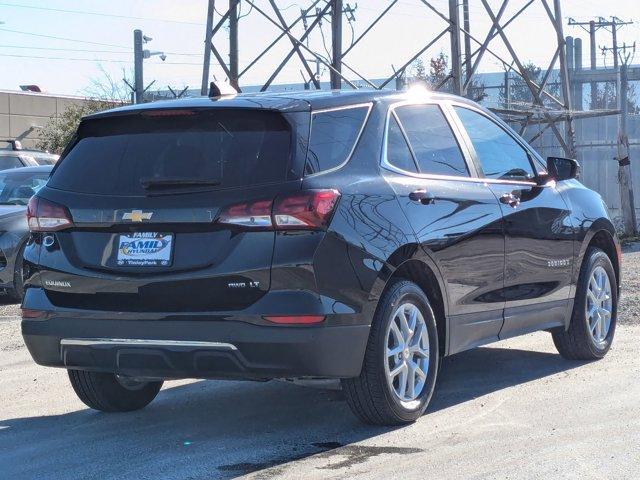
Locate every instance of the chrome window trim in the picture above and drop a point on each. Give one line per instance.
(369, 106)
(133, 342)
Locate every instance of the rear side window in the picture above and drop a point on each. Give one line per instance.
(334, 134)
(433, 143)
(398, 152)
(226, 148)
(499, 154)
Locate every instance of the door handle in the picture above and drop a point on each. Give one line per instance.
(510, 199)
(422, 196)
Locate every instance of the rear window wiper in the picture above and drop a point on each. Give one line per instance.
(171, 182)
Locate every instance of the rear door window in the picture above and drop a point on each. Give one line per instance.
(435, 147)
(225, 148)
(398, 152)
(334, 134)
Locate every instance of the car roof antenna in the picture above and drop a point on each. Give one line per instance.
(221, 89)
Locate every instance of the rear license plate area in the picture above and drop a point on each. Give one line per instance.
(145, 249)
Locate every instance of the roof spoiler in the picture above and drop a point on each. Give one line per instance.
(15, 144)
(221, 89)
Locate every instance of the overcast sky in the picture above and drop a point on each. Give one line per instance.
(102, 34)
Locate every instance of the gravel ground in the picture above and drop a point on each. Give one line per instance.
(629, 309)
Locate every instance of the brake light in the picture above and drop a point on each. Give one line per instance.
(46, 216)
(295, 319)
(304, 211)
(307, 210)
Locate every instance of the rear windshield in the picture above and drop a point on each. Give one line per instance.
(220, 148)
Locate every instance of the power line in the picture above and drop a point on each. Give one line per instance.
(89, 50)
(110, 60)
(63, 38)
(99, 14)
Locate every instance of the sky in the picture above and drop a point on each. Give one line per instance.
(64, 45)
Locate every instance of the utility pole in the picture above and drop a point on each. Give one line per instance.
(233, 43)
(454, 33)
(137, 66)
(336, 43)
(139, 54)
(592, 55)
(204, 88)
(614, 23)
(627, 202)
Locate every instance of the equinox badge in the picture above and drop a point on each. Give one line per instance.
(137, 215)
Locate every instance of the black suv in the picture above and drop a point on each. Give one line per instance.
(359, 236)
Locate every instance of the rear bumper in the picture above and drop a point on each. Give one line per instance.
(196, 348)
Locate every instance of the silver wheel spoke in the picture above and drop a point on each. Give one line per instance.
(407, 352)
(394, 351)
(599, 305)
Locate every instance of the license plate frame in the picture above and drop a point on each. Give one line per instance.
(145, 249)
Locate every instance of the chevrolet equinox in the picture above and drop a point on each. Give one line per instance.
(360, 236)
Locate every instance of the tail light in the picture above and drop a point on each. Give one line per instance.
(304, 211)
(307, 210)
(251, 214)
(46, 216)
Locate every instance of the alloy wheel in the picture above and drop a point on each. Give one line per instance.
(407, 352)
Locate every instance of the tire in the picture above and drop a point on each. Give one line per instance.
(372, 396)
(105, 392)
(578, 342)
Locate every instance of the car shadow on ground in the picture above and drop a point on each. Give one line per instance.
(227, 429)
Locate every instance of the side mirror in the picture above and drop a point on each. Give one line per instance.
(562, 168)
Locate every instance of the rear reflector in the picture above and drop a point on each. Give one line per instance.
(46, 216)
(307, 210)
(295, 319)
(28, 313)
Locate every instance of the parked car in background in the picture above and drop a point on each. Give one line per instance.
(14, 159)
(17, 154)
(43, 158)
(17, 186)
(359, 236)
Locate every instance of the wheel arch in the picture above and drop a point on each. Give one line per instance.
(603, 236)
(424, 272)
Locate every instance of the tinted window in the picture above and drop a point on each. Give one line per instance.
(500, 156)
(398, 152)
(10, 161)
(233, 148)
(333, 136)
(16, 188)
(436, 149)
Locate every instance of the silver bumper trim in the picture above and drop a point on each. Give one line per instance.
(136, 342)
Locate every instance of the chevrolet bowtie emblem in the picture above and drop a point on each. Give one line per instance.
(137, 215)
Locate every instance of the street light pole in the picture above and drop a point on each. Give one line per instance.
(138, 58)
